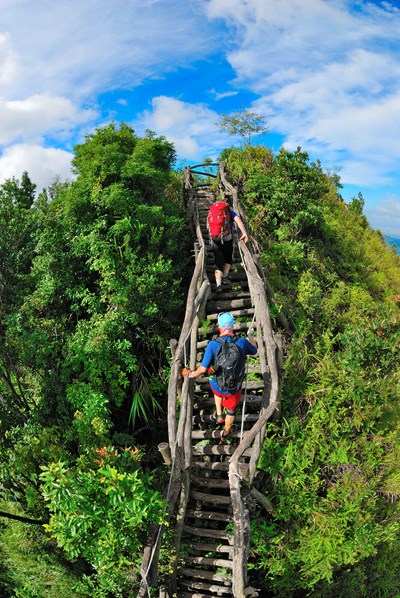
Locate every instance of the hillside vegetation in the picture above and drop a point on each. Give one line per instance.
(332, 463)
(93, 279)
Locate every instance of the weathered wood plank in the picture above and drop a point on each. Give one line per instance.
(219, 449)
(208, 515)
(200, 574)
(213, 589)
(227, 304)
(224, 548)
(212, 434)
(208, 533)
(210, 482)
(210, 498)
(196, 595)
(212, 562)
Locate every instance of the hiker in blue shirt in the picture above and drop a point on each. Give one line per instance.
(223, 398)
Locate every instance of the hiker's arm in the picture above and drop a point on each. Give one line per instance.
(189, 374)
(240, 225)
(250, 337)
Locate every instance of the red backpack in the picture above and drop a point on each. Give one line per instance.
(218, 220)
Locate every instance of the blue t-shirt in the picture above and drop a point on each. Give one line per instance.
(211, 353)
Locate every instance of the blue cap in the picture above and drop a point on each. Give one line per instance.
(225, 320)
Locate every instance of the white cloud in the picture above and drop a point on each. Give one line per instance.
(8, 61)
(57, 57)
(43, 165)
(191, 127)
(78, 48)
(326, 72)
(287, 36)
(386, 216)
(33, 117)
(224, 94)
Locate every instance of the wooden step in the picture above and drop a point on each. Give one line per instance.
(218, 449)
(199, 595)
(213, 589)
(223, 548)
(204, 532)
(209, 561)
(191, 595)
(233, 295)
(202, 574)
(209, 482)
(226, 302)
(219, 466)
(208, 515)
(214, 499)
(214, 434)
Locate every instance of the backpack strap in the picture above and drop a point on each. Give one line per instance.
(235, 338)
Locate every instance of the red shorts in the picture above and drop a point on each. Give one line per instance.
(230, 402)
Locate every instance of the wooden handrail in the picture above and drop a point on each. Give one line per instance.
(179, 434)
(266, 348)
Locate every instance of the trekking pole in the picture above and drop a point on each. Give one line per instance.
(245, 389)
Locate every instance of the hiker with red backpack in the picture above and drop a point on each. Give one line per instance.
(220, 221)
(224, 360)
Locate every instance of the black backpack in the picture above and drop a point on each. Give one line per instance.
(229, 365)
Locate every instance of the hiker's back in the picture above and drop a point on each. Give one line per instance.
(229, 365)
(219, 221)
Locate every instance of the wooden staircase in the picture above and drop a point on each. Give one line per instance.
(206, 554)
(209, 480)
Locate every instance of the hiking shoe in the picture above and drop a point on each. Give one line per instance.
(218, 289)
(225, 435)
(225, 275)
(217, 419)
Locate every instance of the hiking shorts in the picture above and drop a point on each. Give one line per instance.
(230, 402)
(223, 253)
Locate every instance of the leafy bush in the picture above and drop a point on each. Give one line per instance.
(100, 511)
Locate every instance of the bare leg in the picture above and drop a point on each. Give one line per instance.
(229, 420)
(227, 268)
(218, 277)
(218, 404)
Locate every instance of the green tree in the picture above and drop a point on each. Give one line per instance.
(96, 295)
(357, 204)
(245, 123)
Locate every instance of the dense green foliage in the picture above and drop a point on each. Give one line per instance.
(91, 293)
(333, 462)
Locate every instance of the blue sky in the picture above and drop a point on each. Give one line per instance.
(325, 74)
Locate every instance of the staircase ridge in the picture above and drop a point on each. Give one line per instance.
(209, 480)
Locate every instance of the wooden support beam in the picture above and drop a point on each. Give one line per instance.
(165, 451)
